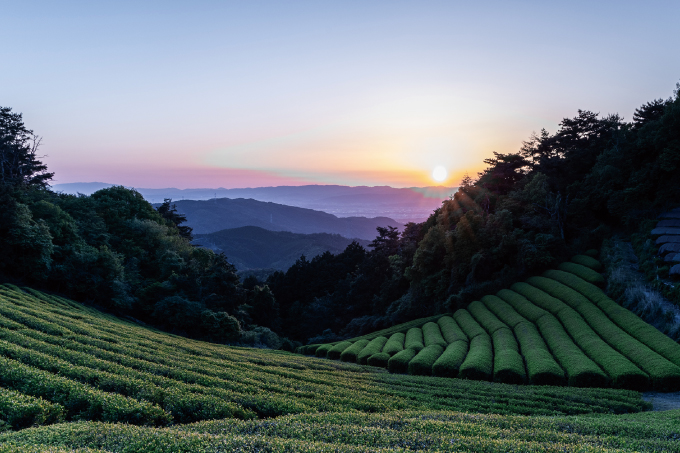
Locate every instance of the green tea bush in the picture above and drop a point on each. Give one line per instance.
(478, 364)
(503, 311)
(485, 318)
(335, 351)
(450, 330)
(508, 367)
(373, 347)
(587, 261)
(542, 369)
(398, 363)
(322, 350)
(21, 411)
(503, 339)
(520, 304)
(414, 339)
(379, 359)
(448, 364)
(351, 353)
(664, 374)
(625, 319)
(467, 323)
(79, 400)
(422, 363)
(433, 335)
(394, 344)
(583, 272)
(621, 371)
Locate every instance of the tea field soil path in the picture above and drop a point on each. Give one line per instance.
(662, 401)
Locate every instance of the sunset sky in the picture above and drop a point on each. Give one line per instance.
(256, 93)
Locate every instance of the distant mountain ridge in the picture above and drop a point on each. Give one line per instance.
(209, 216)
(412, 204)
(252, 247)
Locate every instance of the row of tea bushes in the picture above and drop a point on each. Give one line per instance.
(543, 331)
(356, 432)
(64, 361)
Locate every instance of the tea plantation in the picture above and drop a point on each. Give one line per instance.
(75, 379)
(556, 329)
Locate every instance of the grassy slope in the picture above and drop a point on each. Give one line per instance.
(66, 362)
(595, 341)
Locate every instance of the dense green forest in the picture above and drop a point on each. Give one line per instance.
(559, 194)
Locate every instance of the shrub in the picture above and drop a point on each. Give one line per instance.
(625, 319)
(520, 303)
(542, 369)
(373, 347)
(448, 364)
(394, 344)
(664, 374)
(414, 339)
(485, 318)
(450, 330)
(502, 310)
(583, 272)
(351, 353)
(322, 350)
(592, 253)
(503, 339)
(622, 372)
(21, 411)
(587, 261)
(433, 335)
(335, 351)
(478, 363)
(398, 363)
(508, 367)
(467, 323)
(379, 359)
(422, 363)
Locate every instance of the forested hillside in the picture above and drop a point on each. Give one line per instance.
(252, 247)
(560, 194)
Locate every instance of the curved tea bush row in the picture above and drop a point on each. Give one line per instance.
(357, 432)
(485, 318)
(394, 344)
(372, 347)
(625, 319)
(581, 371)
(450, 330)
(622, 372)
(433, 335)
(414, 339)
(508, 365)
(448, 364)
(351, 353)
(422, 363)
(583, 272)
(541, 367)
(468, 325)
(478, 363)
(21, 411)
(380, 359)
(587, 261)
(79, 400)
(503, 311)
(335, 351)
(398, 363)
(665, 375)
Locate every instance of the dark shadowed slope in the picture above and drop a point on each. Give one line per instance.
(209, 216)
(256, 248)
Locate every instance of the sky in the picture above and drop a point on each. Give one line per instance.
(264, 93)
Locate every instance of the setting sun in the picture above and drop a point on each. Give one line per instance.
(439, 173)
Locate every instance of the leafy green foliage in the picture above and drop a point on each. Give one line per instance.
(448, 364)
(394, 344)
(373, 347)
(478, 363)
(422, 363)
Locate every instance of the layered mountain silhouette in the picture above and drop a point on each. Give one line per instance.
(209, 216)
(252, 247)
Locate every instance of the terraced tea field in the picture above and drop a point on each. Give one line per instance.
(75, 379)
(556, 329)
